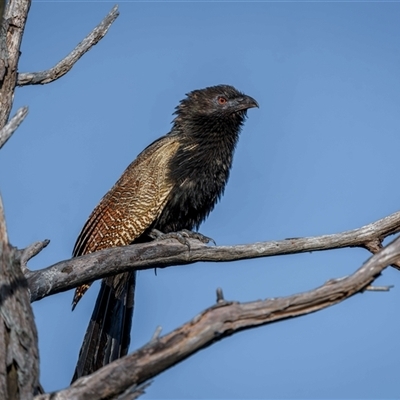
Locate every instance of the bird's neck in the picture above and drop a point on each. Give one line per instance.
(209, 131)
(205, 147)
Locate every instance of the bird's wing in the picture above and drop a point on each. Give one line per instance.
(123, 215)
(133, 203)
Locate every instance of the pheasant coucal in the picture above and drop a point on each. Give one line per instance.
(172, 186)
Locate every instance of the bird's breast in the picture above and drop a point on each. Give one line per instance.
(199, 174)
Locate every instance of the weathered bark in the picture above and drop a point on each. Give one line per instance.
(19, 356)
(15, 17)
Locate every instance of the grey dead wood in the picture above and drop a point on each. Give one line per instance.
(12, 125)
(30, 252)
(13, 26)
(68, 274)
(3, 46)
(18, 352)
(215, 323)
(19, 356)
(19, 359)
(61, 68)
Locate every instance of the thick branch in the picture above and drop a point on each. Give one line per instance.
(52, 74)
(11, 35)
(68, 274)
(215, 323)
(12, 125)
(19, 357)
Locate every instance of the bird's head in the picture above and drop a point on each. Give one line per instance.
(214, 103)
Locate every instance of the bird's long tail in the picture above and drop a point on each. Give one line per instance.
(107, 337)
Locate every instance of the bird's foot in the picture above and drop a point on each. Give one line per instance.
(181, 236)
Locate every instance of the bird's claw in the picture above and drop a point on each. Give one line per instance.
(181, 236)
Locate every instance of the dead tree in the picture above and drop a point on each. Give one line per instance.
(127, 377)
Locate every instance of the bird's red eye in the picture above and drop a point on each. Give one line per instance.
(221, 100)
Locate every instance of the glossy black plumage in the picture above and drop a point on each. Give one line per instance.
(172, 185)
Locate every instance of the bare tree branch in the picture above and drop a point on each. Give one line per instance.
(68, 274)
(15, 16)
(215, 323)
(60, 69)
(31, 251)
(12, 125)
(371, 288)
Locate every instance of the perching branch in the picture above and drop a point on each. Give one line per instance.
(12, 125)
(60, 69)
(215, 323)
(68, 274)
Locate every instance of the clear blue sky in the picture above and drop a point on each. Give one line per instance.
(321, 155)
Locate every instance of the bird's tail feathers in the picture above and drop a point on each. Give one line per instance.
(107, 337)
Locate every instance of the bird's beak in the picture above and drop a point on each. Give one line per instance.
(246, 102)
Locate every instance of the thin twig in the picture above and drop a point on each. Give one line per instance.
(60, 69)
(31, 251)
(220, 295)
(156, 334)
(12, 125)
(371, 288)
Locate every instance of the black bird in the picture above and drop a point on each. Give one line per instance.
(172, 186)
